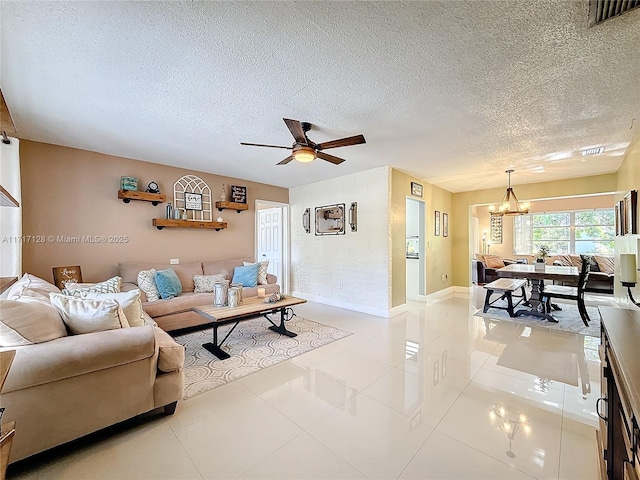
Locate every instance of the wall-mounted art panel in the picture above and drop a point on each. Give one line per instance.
(330, 220)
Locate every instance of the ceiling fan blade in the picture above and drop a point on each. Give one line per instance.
(295, 127)
(263, 145)
(286, 160)
(329, 158)
(343, 142)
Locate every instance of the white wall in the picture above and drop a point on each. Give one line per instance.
(351, 270)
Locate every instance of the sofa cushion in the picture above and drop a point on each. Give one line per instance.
(262, 271)
(113, 285)
(168, 283)
(87, 315)
(206, 283)
(31, 286)
(185, 271)
(180, 304)
(493, 261)
(605, 263)
(247, 276)
(29, 321)
(170, 353)
(147, 283)
(76, 355)
(129, 301)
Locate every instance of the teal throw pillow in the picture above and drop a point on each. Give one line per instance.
(168, 283)
(247, 276)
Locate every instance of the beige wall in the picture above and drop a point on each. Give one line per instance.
(505, 249)
(462, 203)
(439, 248)
(70, 192)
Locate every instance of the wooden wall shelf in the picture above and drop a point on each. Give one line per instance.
(238, 207)
(154, 198)
(160, 223)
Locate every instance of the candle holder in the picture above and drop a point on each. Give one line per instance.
(628, 274)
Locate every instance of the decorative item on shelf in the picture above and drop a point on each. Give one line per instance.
(445, 224)
(306, 220)
(353, 216)
(168, 211)
(223, 193)
(193, 201)
(64, 275)
(628, 274)
(543, 253)
(153, 188)
(192, 193)
(509, 205)
(176, 213)
(330, 220)
(416, 189)
(219, 219)
(238, 194)
(128, 183)
(436, 223)
(184, 214)
(274, 297)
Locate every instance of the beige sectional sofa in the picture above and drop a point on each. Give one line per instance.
(175, 313)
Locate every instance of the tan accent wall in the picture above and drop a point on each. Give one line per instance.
(438, 249)
(462, 204)
(73, 193)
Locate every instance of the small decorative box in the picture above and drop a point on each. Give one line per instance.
(128, 183)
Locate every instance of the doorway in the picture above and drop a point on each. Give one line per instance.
(415, 250)
(272, 239)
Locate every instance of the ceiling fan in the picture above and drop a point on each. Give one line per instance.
(304, 150)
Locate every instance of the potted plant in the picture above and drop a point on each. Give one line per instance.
(543, 253)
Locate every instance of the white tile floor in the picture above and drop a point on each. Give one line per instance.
(416, 396)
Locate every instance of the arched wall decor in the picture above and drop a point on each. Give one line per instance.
(193, 195)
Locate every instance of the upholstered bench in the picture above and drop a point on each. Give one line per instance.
(505, 286)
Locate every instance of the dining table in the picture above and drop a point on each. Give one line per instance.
(535, 306)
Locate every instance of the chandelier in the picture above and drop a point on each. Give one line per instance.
(509, 204)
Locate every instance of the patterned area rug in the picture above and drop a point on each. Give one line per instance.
(568, 319)
(252, 347)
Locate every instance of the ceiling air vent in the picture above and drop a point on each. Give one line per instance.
(592, 151)
(601, 10)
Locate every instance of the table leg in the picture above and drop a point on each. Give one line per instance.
(536, 305)
(215, 346)
(281, 329)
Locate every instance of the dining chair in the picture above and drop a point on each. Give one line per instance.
(570, 293)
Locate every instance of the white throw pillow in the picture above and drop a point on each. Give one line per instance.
(262, 271)
(113, 285)
(31, 286)
(205, 283)
(147, 283)
(87, 316)
(29, 321)
(129, 301)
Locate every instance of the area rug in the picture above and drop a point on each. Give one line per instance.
(568, 319)
(252, 347)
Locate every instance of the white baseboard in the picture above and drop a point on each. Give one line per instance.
(378, 312)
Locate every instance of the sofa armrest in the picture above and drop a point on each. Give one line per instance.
(128, 286)
(271, 279)
(170, 353)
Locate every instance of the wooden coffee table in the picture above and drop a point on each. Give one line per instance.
(251, 307)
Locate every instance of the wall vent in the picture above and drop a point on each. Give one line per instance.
(601, 10)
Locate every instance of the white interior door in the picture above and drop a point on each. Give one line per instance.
(270, 240)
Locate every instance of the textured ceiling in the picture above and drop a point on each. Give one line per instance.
(454, 92)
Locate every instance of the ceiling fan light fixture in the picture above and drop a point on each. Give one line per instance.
(304, 154)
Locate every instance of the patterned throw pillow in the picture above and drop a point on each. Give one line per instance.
(205, 283)
(147, 283)
(262, 271)
(605, 263)
(82, 315)
(112, 285)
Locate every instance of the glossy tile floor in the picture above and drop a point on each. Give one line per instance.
(433, 393)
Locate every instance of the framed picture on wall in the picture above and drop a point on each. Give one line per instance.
(436, 223)
(496, 229)
(192, 201)
(416, 189)
(630, 213)
(445, 224)
(619, 218)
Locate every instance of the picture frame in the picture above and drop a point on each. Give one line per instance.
(496, 230)
(330, 219)
(445, 224)
(436, 223)
(193, 201)
(68, 274)
(618, 218)
(630, 213)
(416, 189)
(238, 194)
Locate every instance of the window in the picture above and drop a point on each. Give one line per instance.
(586, 231)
